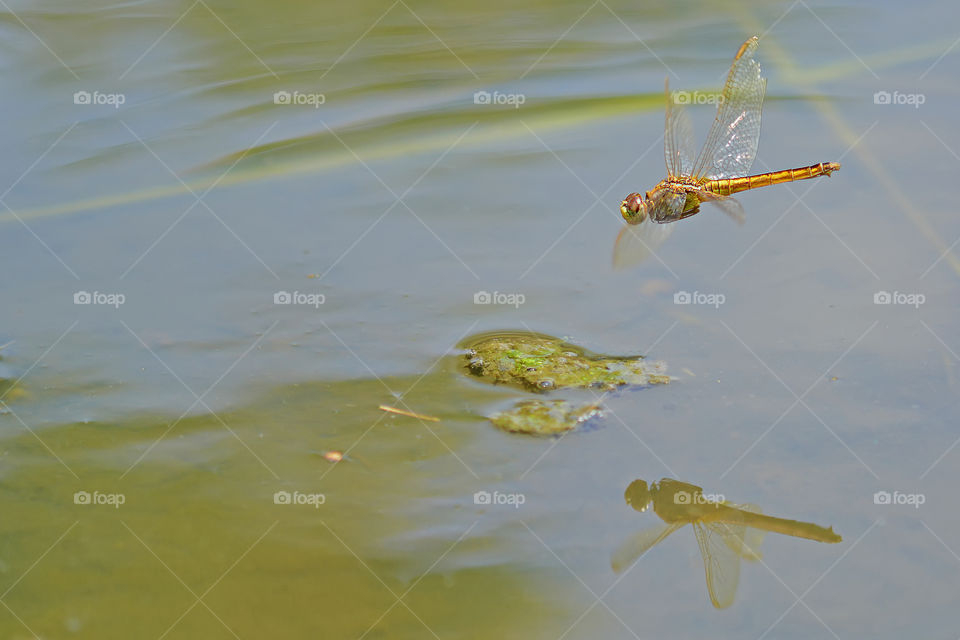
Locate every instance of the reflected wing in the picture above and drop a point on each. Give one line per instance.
(638, 544)
(728, 205)
(637, 242)
(731, 145)
(678, 149)
(748, 547)
(721, 561)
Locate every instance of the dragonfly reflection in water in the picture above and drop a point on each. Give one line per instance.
(721, 168)
(725, 532)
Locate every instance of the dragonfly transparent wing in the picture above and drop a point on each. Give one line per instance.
(718, 543)
(637, 242)
(638, 544)
(728, 205)
(748, 546)
(678, 149)
(731, 145)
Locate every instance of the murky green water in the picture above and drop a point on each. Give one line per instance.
(163, 453)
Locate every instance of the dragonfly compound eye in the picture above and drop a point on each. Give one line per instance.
(632, 209)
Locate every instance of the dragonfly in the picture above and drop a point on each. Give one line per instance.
(726, 533)
(721, 169)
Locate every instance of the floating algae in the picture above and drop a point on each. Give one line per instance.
(545, 417)
(538, 362)
(541, 363)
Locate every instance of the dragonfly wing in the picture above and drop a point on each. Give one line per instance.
(637, 242)
(720, 562)
(731, 145)
(678, 149)
(748, 547)
(728, 205)
(638, 544)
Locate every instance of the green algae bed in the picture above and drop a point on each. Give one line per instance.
(540, 363)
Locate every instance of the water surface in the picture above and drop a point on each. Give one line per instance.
(399, 198)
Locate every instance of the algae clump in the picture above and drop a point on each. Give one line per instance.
(541, 363)
(539, 417)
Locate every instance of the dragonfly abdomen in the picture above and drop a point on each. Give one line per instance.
(729, 186)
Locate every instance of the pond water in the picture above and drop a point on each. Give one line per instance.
(233, 231)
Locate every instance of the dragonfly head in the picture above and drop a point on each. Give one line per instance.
(633, 209)
(638, 495)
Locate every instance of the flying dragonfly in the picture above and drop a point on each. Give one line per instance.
(721, 169)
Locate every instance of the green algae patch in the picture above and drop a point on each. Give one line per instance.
(541, 363)
(545, 417)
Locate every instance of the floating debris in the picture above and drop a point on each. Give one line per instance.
(410, 414)
(333, 456)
